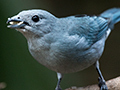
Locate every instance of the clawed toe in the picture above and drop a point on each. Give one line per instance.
(102, 84)
(58, 88)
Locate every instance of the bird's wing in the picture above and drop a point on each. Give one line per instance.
(92, 28)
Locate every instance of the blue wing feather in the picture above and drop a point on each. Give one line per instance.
(92, 28)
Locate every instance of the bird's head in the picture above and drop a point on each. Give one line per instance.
(32, 22)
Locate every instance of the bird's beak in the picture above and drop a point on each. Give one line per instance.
(16, 23)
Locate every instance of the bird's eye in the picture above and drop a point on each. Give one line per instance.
(18, 17)
(35, 18)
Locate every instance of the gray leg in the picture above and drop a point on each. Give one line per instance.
(102, 83)
(59, 75)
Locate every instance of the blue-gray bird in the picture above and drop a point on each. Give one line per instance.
(69, 44)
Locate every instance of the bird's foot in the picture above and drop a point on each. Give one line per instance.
(58, 88)
(102, 84)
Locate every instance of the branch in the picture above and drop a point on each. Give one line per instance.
(2, 85)
(113, 84)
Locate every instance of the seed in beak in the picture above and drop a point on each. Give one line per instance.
(18, 23)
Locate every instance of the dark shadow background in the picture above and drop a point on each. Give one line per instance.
(21, 72)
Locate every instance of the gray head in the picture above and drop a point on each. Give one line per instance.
(32, 22)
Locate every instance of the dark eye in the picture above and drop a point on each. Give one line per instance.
(35, 18)
(18, 17)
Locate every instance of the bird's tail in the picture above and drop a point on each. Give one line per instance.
(113, 15)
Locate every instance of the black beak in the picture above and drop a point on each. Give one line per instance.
(16, 23)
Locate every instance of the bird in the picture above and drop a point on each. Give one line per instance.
(67, 44)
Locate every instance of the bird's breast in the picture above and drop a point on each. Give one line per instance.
(65, 58)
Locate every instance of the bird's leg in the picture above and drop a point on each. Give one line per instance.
(102, 83)
(59, 75)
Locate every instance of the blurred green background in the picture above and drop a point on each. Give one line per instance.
(20, 71)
